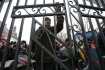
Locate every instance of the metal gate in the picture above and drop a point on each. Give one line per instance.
(81, 16)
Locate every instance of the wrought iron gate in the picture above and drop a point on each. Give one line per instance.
(81, 16)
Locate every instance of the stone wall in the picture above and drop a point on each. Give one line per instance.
(5, 32)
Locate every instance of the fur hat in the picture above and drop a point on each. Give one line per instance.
(3, 37)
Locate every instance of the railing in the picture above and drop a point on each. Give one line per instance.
(80, 17)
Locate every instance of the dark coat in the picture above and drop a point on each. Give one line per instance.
(100, 43)
(21, 50)
(1, 54)
(44, 38)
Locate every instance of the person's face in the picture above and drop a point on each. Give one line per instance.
(23, 44)
(47, 22)
(72, 43)
(3, 43)
(11, 46)
(80, 43)
(89, 42)
(67, 42)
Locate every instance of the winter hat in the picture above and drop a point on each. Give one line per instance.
(3, 37)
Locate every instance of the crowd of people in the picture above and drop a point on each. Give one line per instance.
(80, 52)
(12, 48)
(62, 51)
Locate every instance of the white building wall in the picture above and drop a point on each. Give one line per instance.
(13, 39)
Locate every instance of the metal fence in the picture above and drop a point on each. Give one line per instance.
(80, 16)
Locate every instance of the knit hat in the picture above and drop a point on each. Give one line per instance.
(3, 37)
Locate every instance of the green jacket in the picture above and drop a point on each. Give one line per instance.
(65, 52)
(44, 38)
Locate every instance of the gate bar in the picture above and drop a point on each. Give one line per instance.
(84, 2)
(37, 5)
(18, 45)
(84, 36)
(30, 43)
(93, 16)
(9, 35)
(5, 17)
(42, 53)
(101, 31)
(56, 65)
(34, 2)
(1, 4)
(91, 4)
(90, 7)
(97, 46)
(103, 3)
(68, 30)
(36, 15)
(7, 44)
(98, 5)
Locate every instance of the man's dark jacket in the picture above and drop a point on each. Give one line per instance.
(100, 43)
(44, 38)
